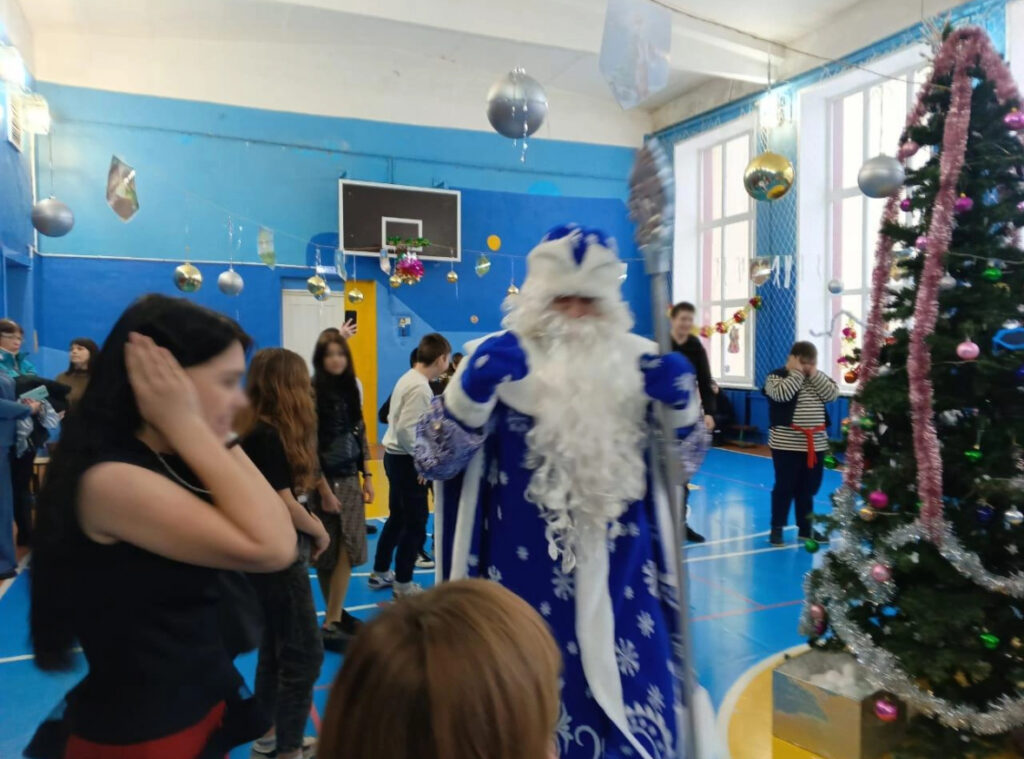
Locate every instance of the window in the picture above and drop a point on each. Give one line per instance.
(862, 124)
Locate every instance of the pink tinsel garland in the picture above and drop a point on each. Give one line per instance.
(957, 56)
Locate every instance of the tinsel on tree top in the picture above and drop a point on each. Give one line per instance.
(925, 582)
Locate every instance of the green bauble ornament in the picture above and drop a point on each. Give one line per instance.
(811, 545)
(830, 461)
(867, 423)
(992, 274)
(973, 455)
(989, 641)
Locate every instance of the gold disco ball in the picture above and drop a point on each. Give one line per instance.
(187, 278)
(452, 276)
(512, 289)
(355, 295)
(768, 176)
(317, 286)
(395, 281)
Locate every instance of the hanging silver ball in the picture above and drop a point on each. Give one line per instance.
(516, 105)
(880, 176)
(835, 286)
(948, 282)
(230, 282)
(52, 218)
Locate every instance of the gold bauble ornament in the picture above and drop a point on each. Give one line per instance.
(768, 176)
(395, 281)
(355, 295)
(187, 278)
(316, 285)
(324, 295)
(512, 289)
(483, 265)
(868, 514)
(452, 276)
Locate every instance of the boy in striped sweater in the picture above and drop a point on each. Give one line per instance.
(797, 395)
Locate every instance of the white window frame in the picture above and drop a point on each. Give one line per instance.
(687, 260)
(815, 306)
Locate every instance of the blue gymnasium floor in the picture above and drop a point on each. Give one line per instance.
(744, 596)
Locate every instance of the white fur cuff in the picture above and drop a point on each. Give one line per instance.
(463, 408)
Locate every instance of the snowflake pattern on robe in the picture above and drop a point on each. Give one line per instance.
(514, 552)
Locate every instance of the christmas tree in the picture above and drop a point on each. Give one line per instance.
(925, 582)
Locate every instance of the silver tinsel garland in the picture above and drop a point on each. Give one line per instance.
(882, 668)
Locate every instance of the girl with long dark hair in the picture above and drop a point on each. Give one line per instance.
(279, 434)
(343, 452)
(146, 500)
(82, 353)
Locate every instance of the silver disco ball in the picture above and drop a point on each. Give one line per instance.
(52, 218)
(880, 176)
(516, 105)
(230, 282)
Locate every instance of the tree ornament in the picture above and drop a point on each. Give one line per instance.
(851, 376)
(878, 499)
(1014, 120)
(886, 710)
(835, 286)
(968, 350)
(52, 218)
(948, 282)
(516, 105)
(512, 290)
(989, 641)
(817, 612)
(984, 513)
(992, 273)
(355, 295)
(483, 265)
(324, 295)
(316, 285)
(768, 176)
(1018, 374)
(905, 204)
(963, 204)
(921, 242)
(830, 461)
(1013, 517)
(881, 573)
(452, 276)
(961, 679)
(760, 271)
(395, 281)
(867, 514)
(188, 278)
(866, 423)
(811, 545)
(880, 176)
(230, 282)
(973, 455)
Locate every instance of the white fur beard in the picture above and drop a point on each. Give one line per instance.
(587, 441)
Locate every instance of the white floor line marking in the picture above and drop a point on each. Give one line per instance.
(736, 690)
(719, 541)
(27, 657)
(712, 557)
(361, 607)
(6, 584)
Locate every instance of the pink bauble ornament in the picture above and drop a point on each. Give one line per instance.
(1020, 206)
(1014, 119)
(905, 204)
(921, 242)
(881, 573)
(968, 350)
(817, 612)
(963, 204)
(908, 149)
(878, 499)
(886, 710)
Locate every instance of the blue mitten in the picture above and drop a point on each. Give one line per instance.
(670, 379)
(498, 359)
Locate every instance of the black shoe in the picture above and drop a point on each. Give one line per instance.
(776, 538)
(335, 638)
(819, 537)
(693, 537)
(349, 624)
(8, 574)
(371, 529)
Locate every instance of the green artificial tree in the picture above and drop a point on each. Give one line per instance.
(925, 582)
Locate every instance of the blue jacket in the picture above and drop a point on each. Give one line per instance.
(14, 366)
(10, 412)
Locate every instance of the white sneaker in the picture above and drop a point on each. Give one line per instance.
(407, 589)
(424, 561)
(381, 582)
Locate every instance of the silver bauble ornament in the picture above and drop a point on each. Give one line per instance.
(52, 218)
(316, 285)
(880, 176)
(948, 282)
(1013, 517)
(835, 286)
(516, 105)
(187, 278)
(230, 282)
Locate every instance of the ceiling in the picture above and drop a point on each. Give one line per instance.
(557, 41)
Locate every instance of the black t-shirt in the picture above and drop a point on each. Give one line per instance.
(263, 445)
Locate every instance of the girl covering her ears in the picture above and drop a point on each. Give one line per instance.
(279, 435)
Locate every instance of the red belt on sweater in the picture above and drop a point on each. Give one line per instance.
(809, 433)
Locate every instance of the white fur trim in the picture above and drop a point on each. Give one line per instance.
(685, 417)
(466, 518)
(438, 489)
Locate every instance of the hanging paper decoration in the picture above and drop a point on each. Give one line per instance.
(722, 328)
(635, 48)
(265, 247)
(121, 194)
(734, 340)
(339, 264)
(187, 278)
(483, 265)
(385, 261)
(230, 282)
(493, 242)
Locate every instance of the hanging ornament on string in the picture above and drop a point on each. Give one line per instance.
(948, 282)
(516, 106)
(768, 176)
(968, 350)
(452, 276)
(1013, 517)
(385, 261)
(354, 294)
(408, 266)
(187, 278)
(265, 247)
(324, 295)
(230, 282)
(317, 286)
(760, 271)
(121, 195)
(886, 710)
(50, 216)
(963, 204)
(880, 176)
(512, 289)
(483, 265)
(395, 281)
(835, 286)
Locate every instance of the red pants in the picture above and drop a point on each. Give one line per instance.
(186, 744)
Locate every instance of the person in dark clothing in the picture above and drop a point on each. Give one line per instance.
(685, 342)
(797, 394)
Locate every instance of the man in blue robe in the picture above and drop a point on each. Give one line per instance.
(541, 447)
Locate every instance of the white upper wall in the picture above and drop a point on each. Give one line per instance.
(16, 26)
